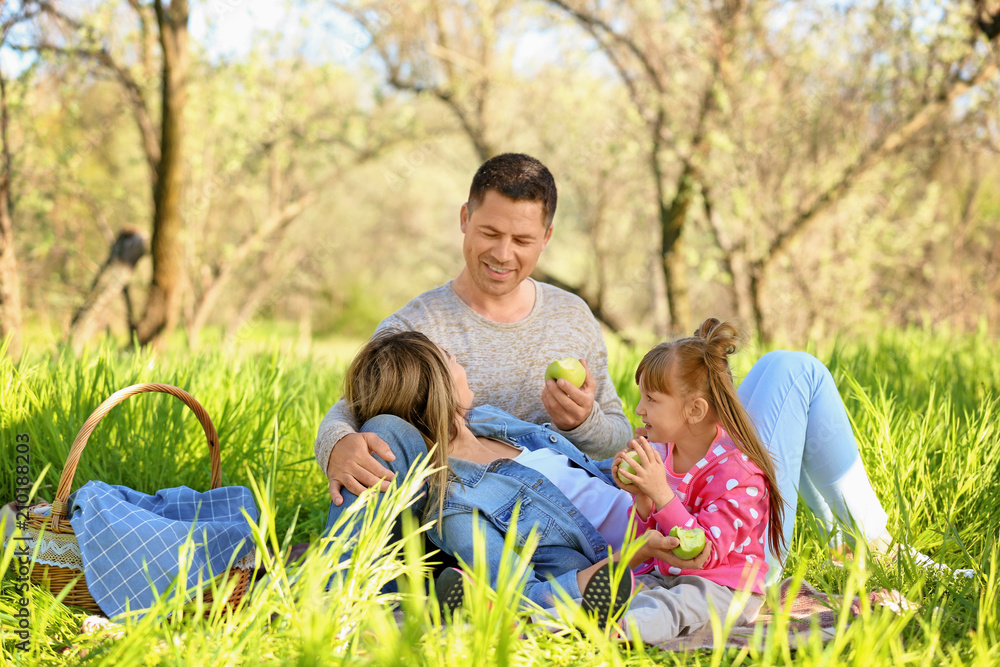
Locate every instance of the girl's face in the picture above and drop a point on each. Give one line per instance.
(662, 414)
(465, 394)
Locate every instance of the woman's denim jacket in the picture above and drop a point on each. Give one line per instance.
(567, 541)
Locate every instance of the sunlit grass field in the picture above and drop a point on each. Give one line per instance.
(924, 407)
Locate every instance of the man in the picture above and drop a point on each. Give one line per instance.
(503, 327)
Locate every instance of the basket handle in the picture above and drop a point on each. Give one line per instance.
(60, 507)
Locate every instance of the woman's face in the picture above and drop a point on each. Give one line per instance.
(465, 394)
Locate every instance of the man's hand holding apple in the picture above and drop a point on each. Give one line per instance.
(567, 404)
(353, 467)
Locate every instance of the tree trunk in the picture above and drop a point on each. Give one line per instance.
(738, 267)
(163, 304)
(10, 283)
(673, 217)
(756, 302)
(675, 268)
(658, 298)
(111, 280)
(732, 262)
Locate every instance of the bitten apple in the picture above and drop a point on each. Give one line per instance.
(568, 369)
(692, 542)
(626, 465)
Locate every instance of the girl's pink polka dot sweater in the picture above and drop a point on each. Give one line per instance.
(726, 495)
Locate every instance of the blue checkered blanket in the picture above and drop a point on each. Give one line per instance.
(130, 541)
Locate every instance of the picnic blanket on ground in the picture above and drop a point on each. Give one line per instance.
(809, 612)
(130, 542)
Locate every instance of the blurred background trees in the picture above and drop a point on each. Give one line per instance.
(813, 168)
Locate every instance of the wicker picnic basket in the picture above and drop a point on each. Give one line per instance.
(59, 533)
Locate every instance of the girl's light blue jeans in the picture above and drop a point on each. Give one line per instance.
(800, 416)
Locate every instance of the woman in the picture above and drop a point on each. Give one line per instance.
(491, 465)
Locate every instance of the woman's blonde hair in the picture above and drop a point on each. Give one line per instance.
(701, 367)
(406, 375)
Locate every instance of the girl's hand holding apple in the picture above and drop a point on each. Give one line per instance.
(643, 505)
(649, 475)
(696, 563)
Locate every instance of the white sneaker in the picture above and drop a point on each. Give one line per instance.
(926, 562)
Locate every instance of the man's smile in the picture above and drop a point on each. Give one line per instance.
(499, 271)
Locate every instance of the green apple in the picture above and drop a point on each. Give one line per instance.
(692, 542)
(568, 369)
(627, 466)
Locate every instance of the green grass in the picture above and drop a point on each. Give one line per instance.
(924, 406)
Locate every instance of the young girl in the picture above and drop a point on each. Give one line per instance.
(715, 475)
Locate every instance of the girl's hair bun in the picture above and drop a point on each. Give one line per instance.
(721, 339)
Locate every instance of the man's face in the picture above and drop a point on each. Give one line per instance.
(503, 240)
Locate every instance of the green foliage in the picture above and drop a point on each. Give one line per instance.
(153, 441)
(308, 115)
(924, 408)
(354, 311)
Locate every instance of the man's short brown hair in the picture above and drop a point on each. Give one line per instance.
(518, 177)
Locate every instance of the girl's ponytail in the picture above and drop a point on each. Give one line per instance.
(721, 340)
